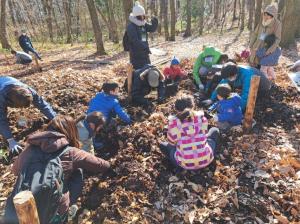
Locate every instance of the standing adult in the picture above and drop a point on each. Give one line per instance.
(26, 45)
(14, 93)
(269, 25)
(137, 33)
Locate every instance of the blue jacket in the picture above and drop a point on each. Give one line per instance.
(109, 106)
(268, 60)
(229, 110)
(138, 46)
(5, 83)
(243, 81)
(25, 42)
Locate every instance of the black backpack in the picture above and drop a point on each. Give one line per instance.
(126, 43)
(42, 174)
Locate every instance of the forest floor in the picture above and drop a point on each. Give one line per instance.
(256, 176)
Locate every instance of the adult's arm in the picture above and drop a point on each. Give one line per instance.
(245, 92)
(42, 105)
(196, 68)
(134, 40)
(277, 33)
(153, 26)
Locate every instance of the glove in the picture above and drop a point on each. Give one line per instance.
(207, 102)
(215, 117)
(201, 87)
(14, 146)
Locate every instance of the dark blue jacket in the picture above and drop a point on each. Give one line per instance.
(268, 60)
(229, 110)
(6, 83)
(138, 46)
(109, 106)
(25, 43)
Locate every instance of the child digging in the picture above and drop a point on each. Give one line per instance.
(190, 146)
(268, 61)
(88, 126)
(229, 111)
(174, 73)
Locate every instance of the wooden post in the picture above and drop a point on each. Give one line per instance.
(129, 81)
(26, 208)
(37, 65)
(251, 103)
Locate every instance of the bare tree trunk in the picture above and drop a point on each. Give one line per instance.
(288, 23)
(48, 6)
(242, 27)
(251, 14)
(67, 12)
(127, 7)
(105, 20)
(173, 20)
(201, 17)
(166, 19)
(298, 19)
(257, 13)
(188, 31)
(234, 11)
(59, 31)
(161, 12)
(77, 19)
(112, 21)
(3, 35)
(96, 27)
(12, 13)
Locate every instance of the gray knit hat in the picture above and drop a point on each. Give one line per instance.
(153, 78)
(272, 10)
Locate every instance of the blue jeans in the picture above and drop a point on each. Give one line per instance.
(32, 50)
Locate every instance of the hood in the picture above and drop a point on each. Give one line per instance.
(135, 21)
(48, 141)
(211, 51)
(271, 9)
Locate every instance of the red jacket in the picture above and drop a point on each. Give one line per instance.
(72, 160)
(172, 73)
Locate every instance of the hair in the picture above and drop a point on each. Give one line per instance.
(230, 69)
(270, 40)
(224, 90)
(95, 117)
(13, 51)
(109, 86)
(65, 125)
(268, 14)
(223, 57)
(184, 105)
(19, 96)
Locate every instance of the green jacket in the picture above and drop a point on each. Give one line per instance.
(208, 51)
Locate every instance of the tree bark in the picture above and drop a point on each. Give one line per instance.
(188, 31)
(112, 21)
(201, 16)
(48, 6)
(251, 14)
(3, 35)
(96, 27)
(242, 27)
(166, 19)
(12, 13)
(257, 13)
(161, 12)
(288, 23)
(67, 12)
(127, 7)
(173, 20)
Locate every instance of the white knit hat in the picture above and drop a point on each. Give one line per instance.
(138, 10)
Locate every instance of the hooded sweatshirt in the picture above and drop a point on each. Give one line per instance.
(189, 137)
(50, 142)
(202, 62)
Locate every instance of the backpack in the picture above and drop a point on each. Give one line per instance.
(126, 42)
(42, 174)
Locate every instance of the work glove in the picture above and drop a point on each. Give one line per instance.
(14, 146)
(215, 117)
(201, 87)
(207, 103)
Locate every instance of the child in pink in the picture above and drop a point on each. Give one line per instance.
(190, 145)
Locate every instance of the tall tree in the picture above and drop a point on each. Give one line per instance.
(166, 19)
(289, 26)
(188, 30)
(173, 20)
(234, 11)
(257, 12)
(242, 27)
(12, 13)
(96, 27)
(48, 5)
(3, 35)
(201, 16)
(127, 7)
(251, 14)
(67, 12)
(161, 12)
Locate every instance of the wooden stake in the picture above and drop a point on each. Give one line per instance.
(26, 208)
(251, 103)
(129, 81)
(37, 65)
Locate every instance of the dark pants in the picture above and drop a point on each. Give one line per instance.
(140, 61)
(32, 50)
(213, 140)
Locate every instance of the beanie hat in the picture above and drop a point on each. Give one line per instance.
(138, 10)
(153, 78)
(229, 69)
(272, 10)
(224, 90)
(175, 61)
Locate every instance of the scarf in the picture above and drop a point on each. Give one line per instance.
(136, 21)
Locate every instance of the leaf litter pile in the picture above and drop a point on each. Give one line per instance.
(254, 179)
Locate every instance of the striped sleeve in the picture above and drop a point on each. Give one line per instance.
(173, 133)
